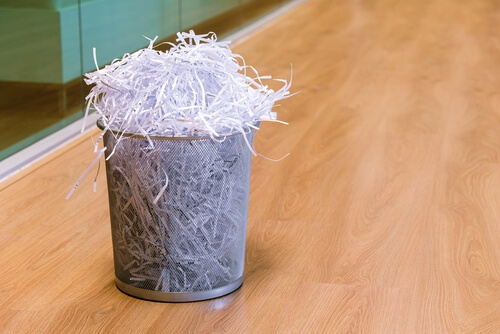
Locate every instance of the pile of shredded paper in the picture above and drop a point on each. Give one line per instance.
(179, 207)
(196, 88)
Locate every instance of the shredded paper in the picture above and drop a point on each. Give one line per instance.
(196, 88)
(178, 128)
(179, 212)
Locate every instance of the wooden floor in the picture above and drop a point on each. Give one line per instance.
(384, 218)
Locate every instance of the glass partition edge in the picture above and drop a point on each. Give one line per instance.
(31, 154)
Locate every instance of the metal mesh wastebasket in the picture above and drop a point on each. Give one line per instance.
(178, 209)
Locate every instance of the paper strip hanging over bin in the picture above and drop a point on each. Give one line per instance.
(178, 130)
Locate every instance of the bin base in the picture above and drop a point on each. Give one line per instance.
(177, 297)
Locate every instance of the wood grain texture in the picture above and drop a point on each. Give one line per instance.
(384, 218)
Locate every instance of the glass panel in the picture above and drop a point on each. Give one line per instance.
(115, 27)
(194, 12)
(40, 85)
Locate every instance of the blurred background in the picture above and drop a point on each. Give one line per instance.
(46, 47)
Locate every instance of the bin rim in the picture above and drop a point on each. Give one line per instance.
(247, 129)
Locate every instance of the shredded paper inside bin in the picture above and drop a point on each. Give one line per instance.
(178, 210)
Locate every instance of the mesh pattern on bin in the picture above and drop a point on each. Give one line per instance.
(192, 238)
